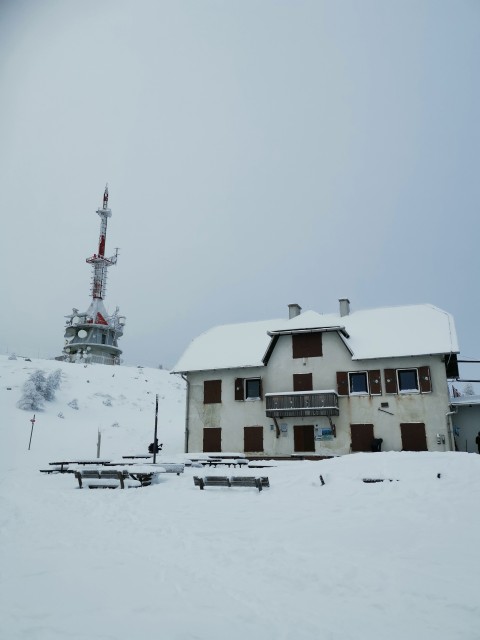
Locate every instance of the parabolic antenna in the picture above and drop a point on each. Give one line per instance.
(82, 333)
(75, 320)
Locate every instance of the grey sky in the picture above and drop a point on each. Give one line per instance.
(258, 153)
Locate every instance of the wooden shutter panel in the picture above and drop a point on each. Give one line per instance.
(390, 380)
(212, 391)
(375, 382)
(342, 383)
(307, 345)
(260, 389)
(424, 379)
(302, 382)
(239, 389)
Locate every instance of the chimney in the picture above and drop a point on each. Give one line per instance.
(294, 310)
(344, 307)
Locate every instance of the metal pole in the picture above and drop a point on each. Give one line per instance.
(155, 433)
(99, 442)
(31, 432)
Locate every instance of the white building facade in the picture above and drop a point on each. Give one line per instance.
(323, 384)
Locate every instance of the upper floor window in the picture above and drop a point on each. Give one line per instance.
(413, 380)
(248, 389)
(407, 381)
(307, 345)
(212, 391)
(358, 382)
(253, 389)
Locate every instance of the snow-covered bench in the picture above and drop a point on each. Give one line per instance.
(234, 481)
(104, 479)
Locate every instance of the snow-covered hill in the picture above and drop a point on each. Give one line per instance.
(299, 561)
(118, 401)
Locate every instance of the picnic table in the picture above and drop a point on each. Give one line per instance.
(62, 465)
(142, 456)
(228, 462)
(146, 474)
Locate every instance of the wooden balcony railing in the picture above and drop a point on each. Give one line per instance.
(302, 403)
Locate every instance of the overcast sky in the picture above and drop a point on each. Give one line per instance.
(258, 153)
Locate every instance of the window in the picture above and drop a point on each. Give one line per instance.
(104, 339)
(248, 389)
(212, 391)
(253, 389)
(414, 380)
(407, 380)
(307, 345)
(358, 382)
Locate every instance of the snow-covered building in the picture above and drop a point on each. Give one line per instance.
(323, 384)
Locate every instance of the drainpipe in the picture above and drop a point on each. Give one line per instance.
(187, 413)
(451, 440)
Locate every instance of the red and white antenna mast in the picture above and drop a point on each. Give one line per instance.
(98, 260)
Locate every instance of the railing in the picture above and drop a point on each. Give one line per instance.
(302, 403)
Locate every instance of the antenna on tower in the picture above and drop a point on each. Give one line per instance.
(105, 197)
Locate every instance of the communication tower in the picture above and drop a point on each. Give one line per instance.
(92, 336)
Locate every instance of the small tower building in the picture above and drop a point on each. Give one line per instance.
(92, 335)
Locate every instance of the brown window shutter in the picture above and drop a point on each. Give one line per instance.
(390, 380)
(212, 391)
(424, 379)
(239, 389)
(261, 388)
(302, 382)
(375, 382)
(307, 345)
(342, 383)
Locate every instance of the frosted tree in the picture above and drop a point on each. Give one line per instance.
(31, 399)
(52, 383)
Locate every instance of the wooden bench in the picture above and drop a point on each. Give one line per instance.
(95, 474)
(234, 481)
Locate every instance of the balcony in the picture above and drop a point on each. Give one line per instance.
(302, 403)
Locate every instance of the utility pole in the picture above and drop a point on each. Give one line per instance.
(32, 420)
(99, 442)
(155, 433)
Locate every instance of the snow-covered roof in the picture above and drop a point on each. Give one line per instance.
(368, 334)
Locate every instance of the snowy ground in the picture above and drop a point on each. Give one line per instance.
(298, 561)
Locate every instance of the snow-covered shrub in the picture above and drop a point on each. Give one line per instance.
(52, 383)
(12, 356)
(60, 415)
(31, 399)
(107, 402)
(115, 424)
(74, 404)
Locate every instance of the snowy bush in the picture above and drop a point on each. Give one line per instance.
(52, 383)
(39, 388)
(12, 356)
(60, 415)
(74, 404)
(31, 399)
(107, 402)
